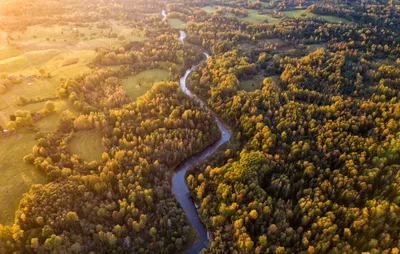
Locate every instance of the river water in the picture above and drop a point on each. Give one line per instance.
(179, 187)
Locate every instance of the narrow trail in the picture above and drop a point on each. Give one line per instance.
(179, 187)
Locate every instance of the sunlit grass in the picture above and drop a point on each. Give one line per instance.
(50, 123)
(300, 13)
(255, 17)
(176, 23)
(16, 176)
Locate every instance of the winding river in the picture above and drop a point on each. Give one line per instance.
(179, 187)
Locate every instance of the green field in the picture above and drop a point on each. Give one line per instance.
(42, 37)
(176, 23)
(16, 176)
(139, 84)
(255, 17)
(52, 61)
(210, 9)
(87, 145)
(50, 123)
(300, 13)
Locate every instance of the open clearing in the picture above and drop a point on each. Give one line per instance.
(255, 17)
(251, 84)
(16, 176)
(140, 83)
(256, 83)
(87, 145)
(210, 9)
(176, 23)
(51, 122)
(300, 13)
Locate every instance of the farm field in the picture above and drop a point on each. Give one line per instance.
(87, 145)
(54, 62)
(17, 176)
(140, 83)
(98, 35)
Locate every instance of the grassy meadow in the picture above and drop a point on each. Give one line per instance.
(303, 12)
(176, 23)
(98, 35)
(87, 145)
(50, 123)
(255, 17)
(140, 83)
(16, 176)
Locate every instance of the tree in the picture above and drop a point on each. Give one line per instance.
(50, 107)
(153, 232)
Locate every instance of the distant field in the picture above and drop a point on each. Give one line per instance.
(87, 145)
(176, 23)
(42, 37)
(50, 123)
(255, 17)
(300, 13)
(52, 60)
(139, 84)
(16, 176)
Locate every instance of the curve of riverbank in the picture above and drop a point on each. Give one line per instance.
(179, 187)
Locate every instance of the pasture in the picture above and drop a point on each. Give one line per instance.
(53, 62)
(87, 145)
(86, 37)
(16, 176)
(140, 83)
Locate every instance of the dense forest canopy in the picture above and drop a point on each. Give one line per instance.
(309, 88)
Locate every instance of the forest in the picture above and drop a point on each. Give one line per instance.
(94, 122)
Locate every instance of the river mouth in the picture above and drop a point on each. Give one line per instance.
(179, 187)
